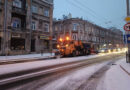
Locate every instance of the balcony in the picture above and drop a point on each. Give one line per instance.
(17, 10)
(17, 29)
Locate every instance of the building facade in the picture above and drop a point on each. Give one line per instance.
(87, 32)
(25, 26)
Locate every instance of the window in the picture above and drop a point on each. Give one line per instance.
(46, 29)
(34, 9)
(46, 12)
(56, 29)
(17, 3)
(41, 10)
(75, 26)
(40, 24)
(16, 23)
(33, 25)
(74, 37)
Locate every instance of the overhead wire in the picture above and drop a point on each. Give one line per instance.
(97, 16)
(94, 12)
(81, 8)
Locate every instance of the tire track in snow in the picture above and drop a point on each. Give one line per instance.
(92, 82)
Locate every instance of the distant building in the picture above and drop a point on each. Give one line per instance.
(24, 30)
(79, 29)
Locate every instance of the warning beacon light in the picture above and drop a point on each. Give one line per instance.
(58, 46)
(67, 38)
(60, 39)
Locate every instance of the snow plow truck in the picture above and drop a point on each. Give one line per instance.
(68, 47)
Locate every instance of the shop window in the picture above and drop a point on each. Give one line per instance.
(0, 44)
(17, 44)
(46, 43)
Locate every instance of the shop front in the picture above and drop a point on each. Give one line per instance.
(17, 44)
(45, 42)
(0, 44)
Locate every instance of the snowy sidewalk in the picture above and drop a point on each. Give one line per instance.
(26, 57)
(117, 77)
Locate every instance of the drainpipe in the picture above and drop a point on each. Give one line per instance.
(30, 24)
(4, 31)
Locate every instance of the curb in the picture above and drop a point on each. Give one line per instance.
(125, 70)
(2, 62)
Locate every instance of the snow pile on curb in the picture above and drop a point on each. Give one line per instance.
(29, 56)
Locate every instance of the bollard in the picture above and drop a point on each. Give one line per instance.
(41, 52)
(127, 57)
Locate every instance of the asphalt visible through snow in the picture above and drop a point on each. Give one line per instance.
(92, 82)
(86, 83)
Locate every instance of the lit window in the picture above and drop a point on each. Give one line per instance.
(34, 9)
(33, 26)
(46, 12)
(17, 3)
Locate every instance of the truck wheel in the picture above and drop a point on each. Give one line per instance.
(73, 53)
(77, 53)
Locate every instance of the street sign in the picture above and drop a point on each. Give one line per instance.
(127, 27)
(128, 38)
(127, 19)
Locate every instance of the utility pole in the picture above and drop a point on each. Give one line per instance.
(127, 32)
(128, 12)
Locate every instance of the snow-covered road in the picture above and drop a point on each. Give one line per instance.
(5, 69)
(85, 78)
(105, 76)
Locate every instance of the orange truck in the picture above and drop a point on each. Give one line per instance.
(68, 47)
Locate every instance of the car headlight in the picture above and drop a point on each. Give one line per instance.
(102, 50)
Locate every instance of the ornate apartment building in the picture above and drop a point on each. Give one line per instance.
(87, 32)
(25, 26)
